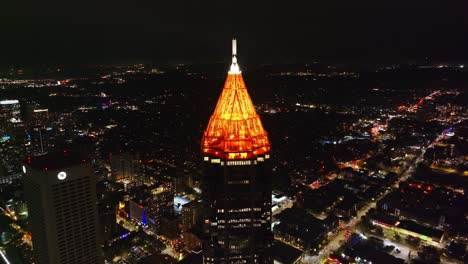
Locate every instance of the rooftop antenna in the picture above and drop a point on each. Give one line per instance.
(234, 47)
(234, 66)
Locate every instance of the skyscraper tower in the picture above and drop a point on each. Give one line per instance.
(39, 140)
(236, 183)
(60, 192)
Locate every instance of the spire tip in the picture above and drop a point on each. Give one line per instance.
(234, 66)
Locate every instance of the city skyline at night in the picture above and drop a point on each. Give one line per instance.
(234, 133)
(169, 182)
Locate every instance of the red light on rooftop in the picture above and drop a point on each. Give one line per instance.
(46, 168)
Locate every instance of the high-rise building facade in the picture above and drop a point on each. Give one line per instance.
(40, 117)
(237, 179)
(150, 204)
(60, 191)
(10, 116)
(107, 203)
(39, 132)
(191, 214)
(10, 111)
(126, 167)
(39, 141)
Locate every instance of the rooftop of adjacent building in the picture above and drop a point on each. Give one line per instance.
(410, 225)
(285, 253)
(162, 259)
(192, 258)
(56, 160)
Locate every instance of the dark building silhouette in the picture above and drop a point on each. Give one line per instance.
(39, 141)
(107, 203)
(39, 132)
(192, 213)
(60, 190)
(126, 167)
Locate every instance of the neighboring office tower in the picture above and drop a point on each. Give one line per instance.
(150, 205)
(39, 141)
(10, 111)
(40, 117)
(60, 190)
(39, 132)
(237, 179)
(126, 167)
(191, 214)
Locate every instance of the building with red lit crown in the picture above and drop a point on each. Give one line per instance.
(237, 179)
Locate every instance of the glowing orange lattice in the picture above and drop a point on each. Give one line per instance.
(235, 130)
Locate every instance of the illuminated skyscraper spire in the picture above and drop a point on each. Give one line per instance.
(235, 130)
(234, 66)
(236, 179)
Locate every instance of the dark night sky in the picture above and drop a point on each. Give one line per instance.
(34, 32)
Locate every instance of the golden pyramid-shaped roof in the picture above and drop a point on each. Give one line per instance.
(235, 130)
